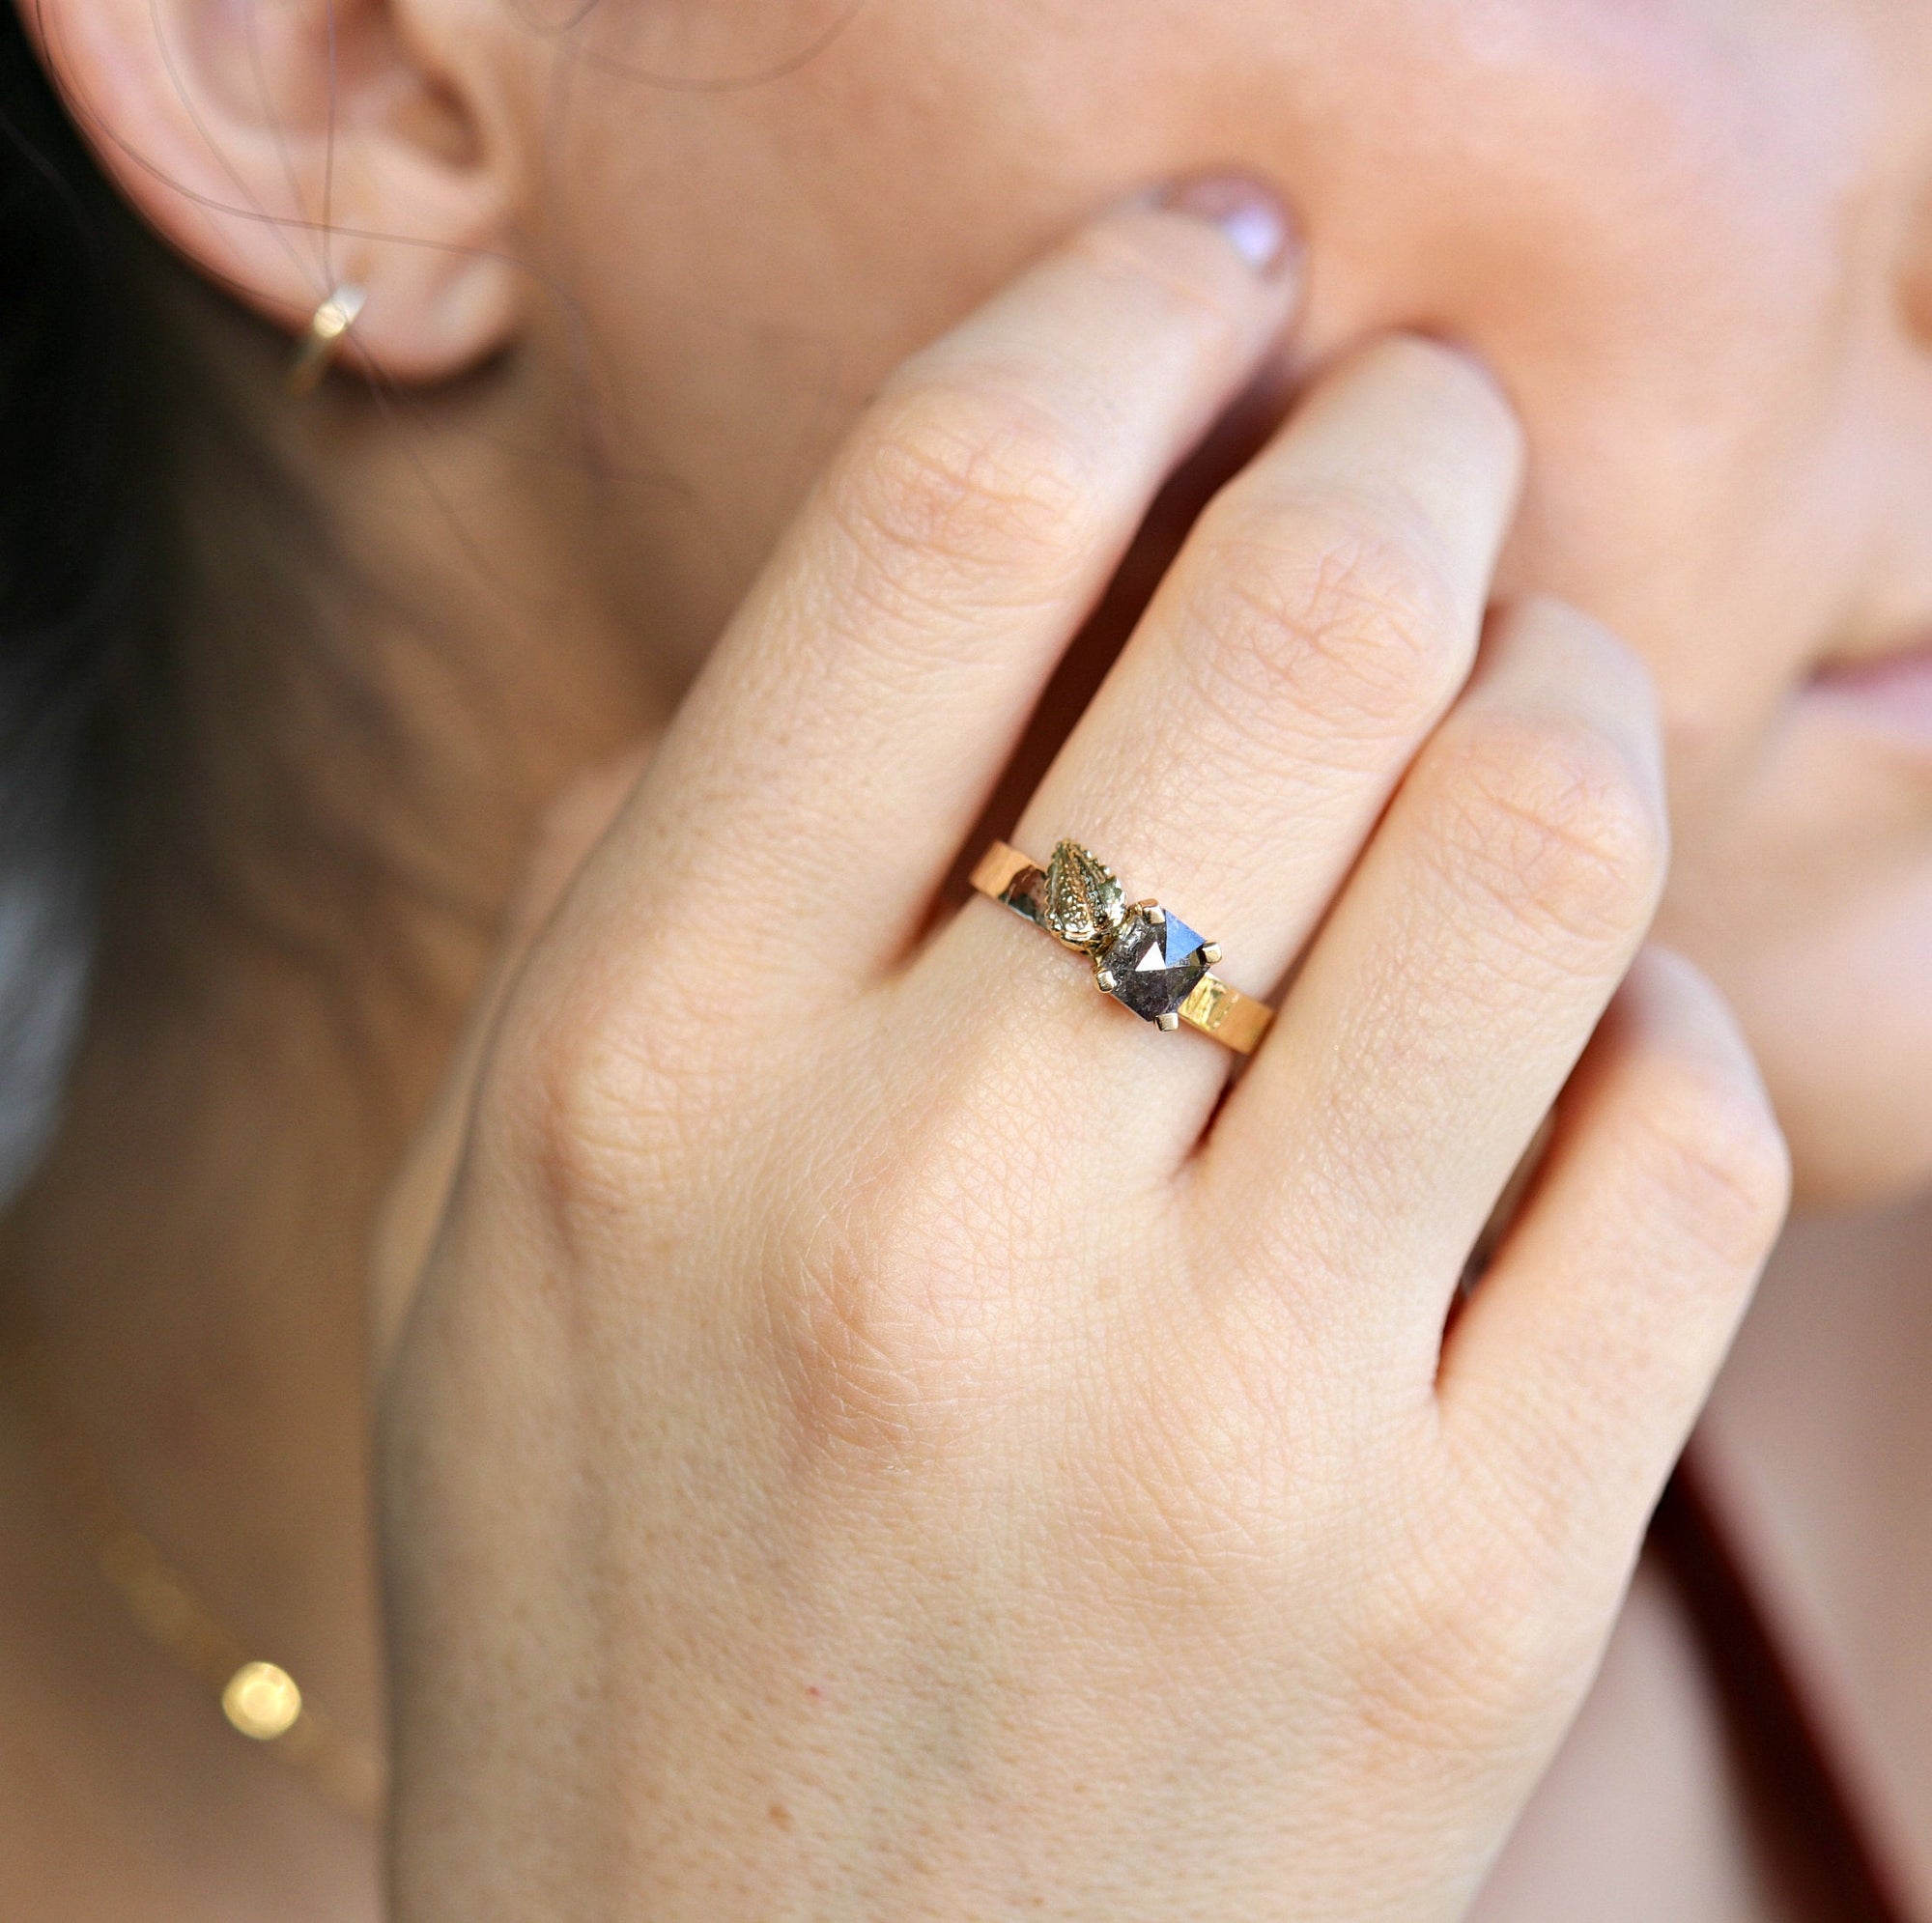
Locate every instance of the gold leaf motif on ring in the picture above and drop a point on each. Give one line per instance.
(1084, 899)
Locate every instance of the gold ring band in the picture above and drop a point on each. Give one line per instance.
(1148, 960)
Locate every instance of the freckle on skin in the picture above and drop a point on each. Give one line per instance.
(812, 1691)
(779, 1815)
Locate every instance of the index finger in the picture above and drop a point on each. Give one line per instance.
(845, 735)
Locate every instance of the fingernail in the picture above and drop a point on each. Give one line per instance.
(1248, 212)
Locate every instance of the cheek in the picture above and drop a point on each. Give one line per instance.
(1650, 219)
(1575, 169)
(1638, 210)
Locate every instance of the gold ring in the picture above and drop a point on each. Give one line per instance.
(1147, 959)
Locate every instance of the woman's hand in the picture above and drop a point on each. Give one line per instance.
(880, 1433)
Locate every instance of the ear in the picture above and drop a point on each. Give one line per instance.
(288, 146)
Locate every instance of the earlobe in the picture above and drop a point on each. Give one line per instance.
(287, 147)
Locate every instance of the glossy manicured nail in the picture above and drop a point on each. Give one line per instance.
(1249, 213)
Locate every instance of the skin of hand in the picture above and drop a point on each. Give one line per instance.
(876, 1432)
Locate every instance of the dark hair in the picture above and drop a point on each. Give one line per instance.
(84, 557)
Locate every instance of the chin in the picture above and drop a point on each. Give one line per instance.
(1805, 894)
(1860, 1162)
(1842, 1030)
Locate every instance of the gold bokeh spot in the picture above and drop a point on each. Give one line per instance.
(262, 1700)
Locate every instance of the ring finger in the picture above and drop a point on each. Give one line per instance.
(1317, 624)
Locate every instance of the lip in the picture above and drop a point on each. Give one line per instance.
(1890, 692)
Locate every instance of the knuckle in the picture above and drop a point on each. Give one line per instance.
(960, 476)
(1344, 611)
(1712, 1152)
(1553, 818)
(562, 1100)
(888, 1324)
(1468, 1646)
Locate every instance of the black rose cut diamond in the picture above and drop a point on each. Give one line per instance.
(1153, 964)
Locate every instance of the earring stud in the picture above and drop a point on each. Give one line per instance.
(322, 340)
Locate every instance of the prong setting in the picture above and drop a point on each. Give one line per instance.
(1142, 955)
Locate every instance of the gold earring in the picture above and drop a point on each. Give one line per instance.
(323, 339)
